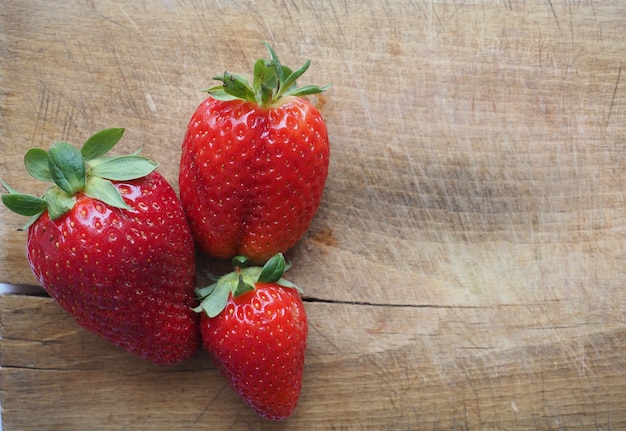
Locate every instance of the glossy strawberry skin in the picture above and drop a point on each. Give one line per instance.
(251, 177)
(127, 276)
(258, 344)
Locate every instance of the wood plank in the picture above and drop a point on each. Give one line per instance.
(365, 368)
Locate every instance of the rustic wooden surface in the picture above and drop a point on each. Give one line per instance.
(466, 267)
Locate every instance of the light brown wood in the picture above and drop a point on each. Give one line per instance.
(365, 368)
(466, 267)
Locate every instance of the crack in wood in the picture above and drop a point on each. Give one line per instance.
(311, 299)
(619, 74)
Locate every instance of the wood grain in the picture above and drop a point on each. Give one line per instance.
(466, 267)
(365, 368)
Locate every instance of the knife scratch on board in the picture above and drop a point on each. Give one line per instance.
(619, 73)
(42, 114)
(554, 15)
(207, 406)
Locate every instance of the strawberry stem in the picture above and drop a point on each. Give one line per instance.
(242, 287)
(67, 167)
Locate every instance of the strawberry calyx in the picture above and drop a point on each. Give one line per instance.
(71, 171)
(272, 81)
(213, 298)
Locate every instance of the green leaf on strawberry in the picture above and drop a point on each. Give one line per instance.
(74, 171)
(105, 191)
(272, 81)
(22, 204)
(242, 286)
(273, 270)
(59, 202)
(122, 168)
(36, 161)
(214, 297)
(67, 167)
(101, 143)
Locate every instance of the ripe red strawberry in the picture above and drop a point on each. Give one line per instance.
(254, 163)
(254, 326)
(110, 243)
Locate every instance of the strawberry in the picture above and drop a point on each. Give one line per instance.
(254, 163)
(110, 243)
(254, 327)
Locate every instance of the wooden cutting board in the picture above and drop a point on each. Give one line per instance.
(466, 267)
